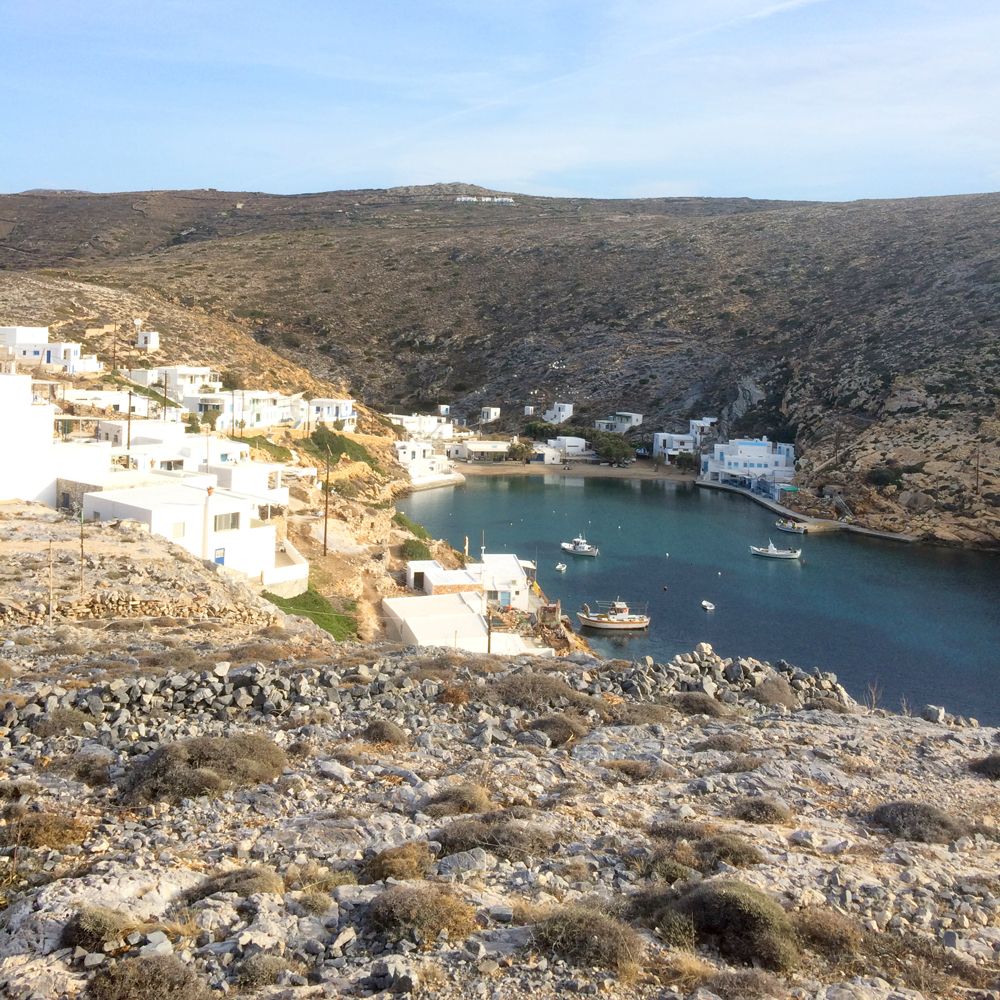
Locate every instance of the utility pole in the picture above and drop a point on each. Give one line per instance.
(128, 422)
(326, 501)
(81, 550)
(114, 351)
(51, 588)
(977, 470)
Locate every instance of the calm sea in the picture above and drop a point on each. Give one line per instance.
(920, 623)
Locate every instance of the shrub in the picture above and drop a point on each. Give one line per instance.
(59, 722)
(384, 731)
(313, 876)
(454, 694)
(745, 984)
(988, 767)
(260, 970)
(18, 788)
(504, 837)
(413, 549)
(664, 867)
(641, 713)
(420, 912)
(534, 691)
(676, 931)
(698, 703)
(761, 809)
(43, 830)
(884, 475)
(241, 881)
(589, 938)
(746, 925)
(828, 932)
(204, 765)
(724, 743)
(743, 762)
(91, 926)
(559, 728)
(637, 770)
(459, 799)
(315, 902)
(824, 703)
(678, 829)
(917, 821)
(727, 847)
(413, 527)
(774, 691)
(159, 977)
(408, 861)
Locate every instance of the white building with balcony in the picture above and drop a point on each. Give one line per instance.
(743, 461)
(424, 426)
(667, 446)
(558, 414)
(31, 346)
(569, 446)
(619, 423)
(180, 380)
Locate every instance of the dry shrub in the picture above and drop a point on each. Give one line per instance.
(746, 925)
(241, 881)
(745, 984)
(560, 728)
(743, 762)
(172, 659)
(725, 743)
(589, 938)
(760, 809)
(774, 691)
(685, 971)
(204, 765)
(44, 830)
(315, 902)
(263, 652)
(535, 691)
(260, 970)
(66, 649)
(60, 722)
(92, 767)
(454, 694)
(824, 703)
(159, 977)
(505, 837)
(408, 861)
(421, 913)
(91, 926)
(18, 788)
(663, 866)
(678, 829)
(640, 713)
(278, 632)
(637, 771)
(458, 800)
(312, 875)
(728, 847)
(917, 962)
(828, 932)
(384, 731)
(988, 767)
(698, 703)
(918, 821)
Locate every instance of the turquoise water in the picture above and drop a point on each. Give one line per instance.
(922, 623)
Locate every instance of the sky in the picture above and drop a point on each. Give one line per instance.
(803, 99)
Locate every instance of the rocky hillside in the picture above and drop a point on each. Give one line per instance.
(867, 330)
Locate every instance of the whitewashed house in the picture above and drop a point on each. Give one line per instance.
(504, 579)
(444, 409)
(529, 410)
(667, 446)
(110, 400)
(31, 346)
(323, 410)
(424, 426)
(179, 380)
(546, 455)
(489, 414)
(425, 464)
(136, 432)
(474, 450)
(558, 414)
(619, 423)
(147, 341)
(429, 576)
(28, 439)
(569, 446)
(744, 461)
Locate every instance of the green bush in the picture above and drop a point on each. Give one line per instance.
(413, 527)
(324, 443)
(413, 549)
(314, 606)
(884, 475)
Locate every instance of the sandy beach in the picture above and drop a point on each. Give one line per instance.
(640, 470)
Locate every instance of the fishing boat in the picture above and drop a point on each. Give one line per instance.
(560, 567)
(708, 605)
(773, 552)
(795, 527)
(579, 547)
(614, 615)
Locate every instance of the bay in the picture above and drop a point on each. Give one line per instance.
(916, 624)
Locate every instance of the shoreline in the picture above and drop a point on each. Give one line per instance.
(640, 470)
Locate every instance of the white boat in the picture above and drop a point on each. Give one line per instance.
(773, 552)
(708, 605)
(579, 547)
(795, 527)
(615, 615)
(560, 567)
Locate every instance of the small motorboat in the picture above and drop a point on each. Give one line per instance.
(708, 605)
(615, 615)
(580, 547)
(560, 567)
(795, 527)
(773, 552)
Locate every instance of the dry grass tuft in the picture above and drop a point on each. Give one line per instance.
(505, 837)
(641, 713)
(773, 692)
(828, 932)
(260, 970)
(384, 731)
(406, 862)
(746, 984)
(535, 691)
(420, 913)
(454, 694)
(698, 703)
(761, 809)
(637, 771)
(560, 728)
(243, 882)
(91, 926)
(459, 800)
(204, 765)
(724, 743)
(743, 762)
(589, 938)
(315, 902)
(160, 977)
(60, 722)
(684, 970)
(918, 821)
(43, 830)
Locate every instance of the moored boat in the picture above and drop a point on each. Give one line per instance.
(795, 527)
(614, 615)
(708, 605)
(773, 552)
(560, 567)
(580, 547)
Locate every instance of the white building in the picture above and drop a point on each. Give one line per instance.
(444, 409)
(31, 346)
(425, 426)
(110, 400)
(28, 439)
(426, 466)
(619, 423)
(504, 579)
(529, 410)
(337, 413)
(488, 414)
(135, 432)
(558, 414)
(545, 455)
(180, 380)
(667, 446)
(569, 446)
(147, 340)
(474, 450)
(744, 461)
(429, 576)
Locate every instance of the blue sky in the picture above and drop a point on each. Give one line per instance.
(826, 99)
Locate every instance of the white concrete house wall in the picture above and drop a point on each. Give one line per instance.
(488, 414)
(142, 432)
(148, 340)
(327, 411)
(545, 455)
(503, 580)
(181, 380)
(569, 446)
(31, 345)
(751, 459)
(115, 400)
(28, 472)
(558, 414)
(427, 426)
(619, 423)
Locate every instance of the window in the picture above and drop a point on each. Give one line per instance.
(227, 522)
(178, 530)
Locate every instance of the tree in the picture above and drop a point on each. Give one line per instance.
(520, 451)
(686, 461)
(232, 380)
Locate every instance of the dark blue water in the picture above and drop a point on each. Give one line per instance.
(921, 623)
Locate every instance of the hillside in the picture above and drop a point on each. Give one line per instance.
(869, 329)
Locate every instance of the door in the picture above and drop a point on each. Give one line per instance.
(220, 557)
(504, 598)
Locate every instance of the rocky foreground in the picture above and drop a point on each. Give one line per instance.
(287, 817)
